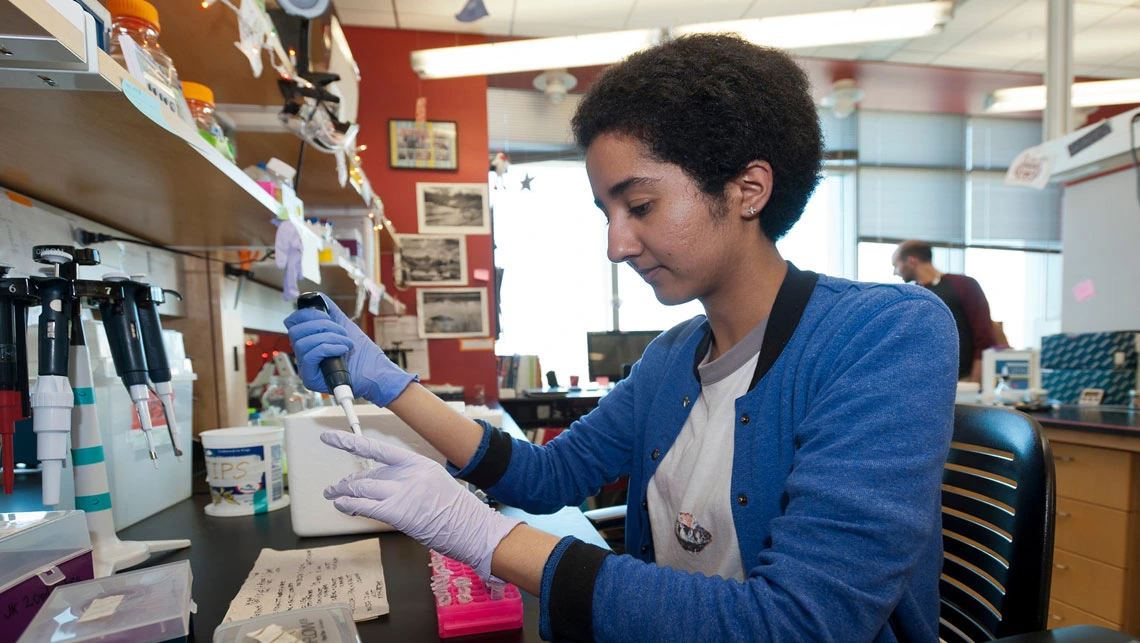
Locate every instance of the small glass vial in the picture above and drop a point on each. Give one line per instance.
(200, 100)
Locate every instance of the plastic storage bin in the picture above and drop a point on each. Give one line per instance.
(313, 465)
(325, 623)
(150, 605)
(39, 551)
(465, 605)
(138, 491)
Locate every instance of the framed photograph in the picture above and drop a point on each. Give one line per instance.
(433, 260)
(453, 208)
(452, 312)
(431, 146)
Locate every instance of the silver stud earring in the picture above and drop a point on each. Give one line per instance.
(751, 211)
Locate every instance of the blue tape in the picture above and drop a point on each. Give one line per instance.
(88, 455)
(91, 504)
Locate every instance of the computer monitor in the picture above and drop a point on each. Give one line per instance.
(608, 351)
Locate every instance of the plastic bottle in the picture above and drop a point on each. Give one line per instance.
(200, 100)
(138, 19)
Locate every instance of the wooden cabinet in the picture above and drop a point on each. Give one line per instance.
(1096, 559)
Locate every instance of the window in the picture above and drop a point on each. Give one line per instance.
(550, 242)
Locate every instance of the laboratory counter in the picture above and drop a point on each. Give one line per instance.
(223, 551)
(1112, 420)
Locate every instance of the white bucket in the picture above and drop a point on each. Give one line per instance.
(244, 470)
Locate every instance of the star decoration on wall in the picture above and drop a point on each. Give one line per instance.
(526, 181)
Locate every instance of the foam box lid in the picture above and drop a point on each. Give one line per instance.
(313, 465)
(150, 605)
(326, 623)
(31, 542)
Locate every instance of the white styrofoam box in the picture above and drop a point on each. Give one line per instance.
(137, 489)
(313, 465)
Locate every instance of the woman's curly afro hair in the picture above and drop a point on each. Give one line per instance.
(712, 104)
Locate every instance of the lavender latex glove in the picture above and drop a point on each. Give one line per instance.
(288, 250)
(418, 497)
(315, 336)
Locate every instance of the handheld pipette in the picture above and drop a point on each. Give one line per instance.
(147, 298)
(334, 368)
(53, 399)
(121, 321)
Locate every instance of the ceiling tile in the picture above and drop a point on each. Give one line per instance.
(912, 57)
(648, 14)
(968, 19)
(765, 8)
(365, 18)
(546, 17)
(1021, 34)
(974, 62)
(1111, 41)
(437, 22)
(1116, 71)
(382, 6)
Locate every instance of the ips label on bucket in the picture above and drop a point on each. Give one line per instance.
(244, 470)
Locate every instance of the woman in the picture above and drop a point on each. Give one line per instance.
(784, 451)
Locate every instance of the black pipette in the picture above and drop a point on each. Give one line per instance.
(121, 321)
(147, 298)
(52, 399)
(334, 368)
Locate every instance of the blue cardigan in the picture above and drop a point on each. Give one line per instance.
(839, 452)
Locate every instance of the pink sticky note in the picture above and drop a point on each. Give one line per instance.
(1084, 290)
(482, 274)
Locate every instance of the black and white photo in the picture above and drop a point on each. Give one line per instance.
(433, 260)
(453, 208)
(452, 312)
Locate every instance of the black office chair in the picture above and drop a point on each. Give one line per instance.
(998, 505)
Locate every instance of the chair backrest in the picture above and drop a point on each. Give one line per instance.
(998, 505)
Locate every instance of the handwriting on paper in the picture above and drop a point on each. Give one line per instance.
(285, 580)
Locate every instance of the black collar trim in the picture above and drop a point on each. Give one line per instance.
(791, 300)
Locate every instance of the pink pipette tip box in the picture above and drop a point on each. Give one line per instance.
(482, 613)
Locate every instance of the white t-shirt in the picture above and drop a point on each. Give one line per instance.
(690, 494)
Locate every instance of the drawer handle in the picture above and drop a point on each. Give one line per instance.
(1060, 567)
(1065, 458)
(1063, 514)
(1056, 617)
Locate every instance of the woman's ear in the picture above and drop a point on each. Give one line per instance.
(755, 185)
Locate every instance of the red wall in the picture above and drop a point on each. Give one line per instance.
(388, 89)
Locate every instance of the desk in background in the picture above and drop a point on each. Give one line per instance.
(1096, 574)
(551, 411)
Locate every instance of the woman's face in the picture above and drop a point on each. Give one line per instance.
(660, 223)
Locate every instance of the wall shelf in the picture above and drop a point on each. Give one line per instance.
(97, 155)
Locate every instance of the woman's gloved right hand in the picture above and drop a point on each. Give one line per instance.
(315, 336)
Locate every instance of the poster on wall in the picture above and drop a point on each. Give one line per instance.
(433, 260)
(432, 145)
(453, 208)
(452, 312)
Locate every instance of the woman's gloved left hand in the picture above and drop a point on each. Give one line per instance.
(316, 336)
(418, 497)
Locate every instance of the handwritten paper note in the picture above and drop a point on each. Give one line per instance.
(284, 580)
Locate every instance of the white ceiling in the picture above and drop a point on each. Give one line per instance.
(1005, 35)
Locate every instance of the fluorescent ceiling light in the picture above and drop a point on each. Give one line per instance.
(898, 22)
(1090, 94)
(532, 55)
(873, 24)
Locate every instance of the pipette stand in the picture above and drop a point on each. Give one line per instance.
(92, 492)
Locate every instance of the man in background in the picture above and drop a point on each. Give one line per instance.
(962, 295)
